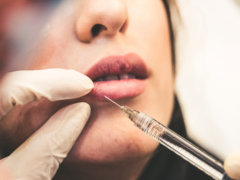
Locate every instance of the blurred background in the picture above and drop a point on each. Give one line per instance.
(21, 22)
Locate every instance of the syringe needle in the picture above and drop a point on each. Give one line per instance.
(175, 143)
(130, 112)
(118, 105)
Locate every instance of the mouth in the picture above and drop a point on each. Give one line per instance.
(118, 77)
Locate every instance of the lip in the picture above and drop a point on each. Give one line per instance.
(114, 65)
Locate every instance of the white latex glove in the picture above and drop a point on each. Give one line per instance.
(40, 155)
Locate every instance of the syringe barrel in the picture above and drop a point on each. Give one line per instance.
(181, 146)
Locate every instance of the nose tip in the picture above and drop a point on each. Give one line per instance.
(101, 18)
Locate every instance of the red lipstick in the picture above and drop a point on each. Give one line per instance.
(118, 77)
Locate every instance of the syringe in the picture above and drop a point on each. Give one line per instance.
(175, 143)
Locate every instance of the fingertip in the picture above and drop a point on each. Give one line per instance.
(84, 108)
(80, 110)
(232, 165)
(52, 83)
(78, 85)
(84, 80)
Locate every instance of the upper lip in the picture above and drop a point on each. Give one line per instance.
(116, 65)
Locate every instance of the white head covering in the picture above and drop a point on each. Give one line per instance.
(207, 44)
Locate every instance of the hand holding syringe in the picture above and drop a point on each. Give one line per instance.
(175, 143)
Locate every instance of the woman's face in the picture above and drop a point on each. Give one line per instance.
(125, 47)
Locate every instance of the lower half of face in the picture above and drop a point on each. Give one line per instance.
(109, 136)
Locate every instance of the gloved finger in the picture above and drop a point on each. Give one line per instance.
(232, 165)
(39, 157)
(21, 87)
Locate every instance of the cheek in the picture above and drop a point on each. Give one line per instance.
(43, 57)
(56, 40)
(152, 25)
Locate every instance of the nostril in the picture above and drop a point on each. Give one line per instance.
(124, 27)
(96, 29)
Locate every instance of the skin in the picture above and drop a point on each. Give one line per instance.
(110, 147)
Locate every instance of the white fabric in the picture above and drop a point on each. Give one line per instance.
(208, 71)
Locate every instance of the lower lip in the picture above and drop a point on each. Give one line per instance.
(118, 89)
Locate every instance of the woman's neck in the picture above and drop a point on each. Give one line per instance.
(129, 170)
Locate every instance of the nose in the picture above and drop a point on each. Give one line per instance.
(97, 18)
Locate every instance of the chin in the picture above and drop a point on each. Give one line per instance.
(110, 138)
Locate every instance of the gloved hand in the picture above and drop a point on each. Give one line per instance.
(40, 155)
(232, 165)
